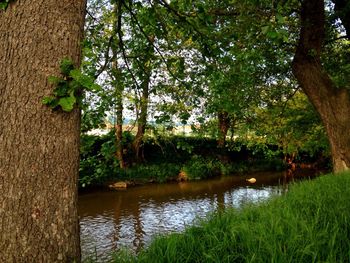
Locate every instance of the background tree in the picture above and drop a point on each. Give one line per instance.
(331, 101)
(127, 49)
(221, 61)
(276, 22)
(39, 147)
(293, 126)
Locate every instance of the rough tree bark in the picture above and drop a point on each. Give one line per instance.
(39, 148)
(331, 102)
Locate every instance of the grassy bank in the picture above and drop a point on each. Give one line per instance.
(311, 223)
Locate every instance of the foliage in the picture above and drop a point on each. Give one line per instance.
(199, 159)
(241, 167)
(4, 4)
(99, 165)
(293, 126)
(126, 49)
(97, 159)
(160, 172)
(68, 88)
(184, 146)
(291, 228)
(336, 56)
(179, 149)
(187, 61)
(201, 168)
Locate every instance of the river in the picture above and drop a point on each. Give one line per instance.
(130, 218)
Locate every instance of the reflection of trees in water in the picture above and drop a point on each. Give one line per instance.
(132, 218)
(221, 201)
(133, 226)
(123, 210)
(244, 195)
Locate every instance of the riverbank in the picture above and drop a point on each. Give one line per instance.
(308, 224)
(196, 168)
(181, 158)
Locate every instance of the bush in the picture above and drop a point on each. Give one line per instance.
(201, 168)
(251, 166)
(97, 159)
(155, 172)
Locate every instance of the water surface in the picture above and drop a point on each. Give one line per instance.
(130, 218)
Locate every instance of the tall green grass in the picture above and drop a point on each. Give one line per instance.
(311, 223)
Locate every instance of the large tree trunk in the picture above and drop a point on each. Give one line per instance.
(39, 148)
(332, 103)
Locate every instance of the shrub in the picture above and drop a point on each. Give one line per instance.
(161, 172)
(97, 159)
(200, 168)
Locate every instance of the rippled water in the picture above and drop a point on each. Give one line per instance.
(132, 217)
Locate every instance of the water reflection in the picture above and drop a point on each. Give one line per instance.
(131, 218)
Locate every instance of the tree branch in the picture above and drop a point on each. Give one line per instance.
(151, 42)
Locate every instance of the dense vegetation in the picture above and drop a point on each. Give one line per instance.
(265, 80)
(222, 69)
(167, 157)
(231, 72)
(308, 224)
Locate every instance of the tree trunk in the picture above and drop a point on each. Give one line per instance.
(119, 132)
(39, 148)
(119, 87)
(224, 125)
(332, 103)
(142, 120)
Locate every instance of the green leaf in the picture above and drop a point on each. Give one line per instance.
(54, 80)
(280, 19)
(3, 6)
(265, 29)
(95, 87)
(84, 80)
(48, 100)
(66, 66)
(61, 90)
(76, 74)
(272, 34)
(67, 103)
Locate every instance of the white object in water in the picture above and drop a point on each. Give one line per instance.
(251, 180)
